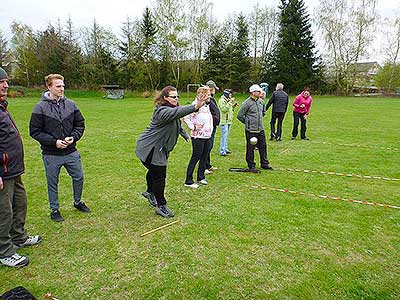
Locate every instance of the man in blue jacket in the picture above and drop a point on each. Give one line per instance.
(57, 124)
(13, 202)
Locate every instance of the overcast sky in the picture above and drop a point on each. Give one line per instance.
(112, 14)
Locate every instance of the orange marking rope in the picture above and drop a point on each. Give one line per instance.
(359, 146)
(325, 196)
(339, 174)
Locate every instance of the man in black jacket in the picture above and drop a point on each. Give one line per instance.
(57, 124)
(216, 115)
(279, 101)
(13, 200)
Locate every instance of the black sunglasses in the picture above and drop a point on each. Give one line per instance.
(177, 96)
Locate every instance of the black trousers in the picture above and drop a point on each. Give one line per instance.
(262, 149)
(208, 160)
(200, 150)
(276, 116)
(296, 117)
(155, 179)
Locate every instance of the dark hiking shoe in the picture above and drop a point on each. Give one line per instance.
(82, 207)
(15, 261)
(55, 215)
(267, 167)
(164, 211)
(253, 170)
(150, 197)
(305, 138)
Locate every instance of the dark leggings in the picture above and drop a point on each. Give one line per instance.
(155, 179)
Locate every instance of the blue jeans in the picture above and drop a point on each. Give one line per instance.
(225, 129)
(73, 164)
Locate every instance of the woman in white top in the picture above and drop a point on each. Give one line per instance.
(200, 124)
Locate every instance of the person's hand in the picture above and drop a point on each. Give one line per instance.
(69, 140)
(305, 116)
(1, 183)
(61, 144)
(302, 105)
(203, 99)
(234, 103)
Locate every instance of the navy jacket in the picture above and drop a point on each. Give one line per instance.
(279, 101)
(52, 121)
(11, 149)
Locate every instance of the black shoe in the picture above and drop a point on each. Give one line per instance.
(150, 197)
(267, 167)
(253, 170)
(82, 207)
(164, 211)
(305, 138)
(228, 152)
(293, 137)
(55, 215)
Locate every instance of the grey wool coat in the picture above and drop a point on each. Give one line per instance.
(162, 133)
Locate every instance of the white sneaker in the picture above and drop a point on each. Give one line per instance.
(203, 182)
(15, 261)
(208, 172)
(31, 241)
(193, 185)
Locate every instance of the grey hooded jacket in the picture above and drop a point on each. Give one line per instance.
(251, 114)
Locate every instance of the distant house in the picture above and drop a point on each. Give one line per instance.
(364, 73)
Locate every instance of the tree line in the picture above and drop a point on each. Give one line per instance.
(180, 42)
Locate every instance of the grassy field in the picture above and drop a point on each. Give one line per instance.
(233, 241)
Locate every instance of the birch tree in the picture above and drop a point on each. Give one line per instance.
(347, 28)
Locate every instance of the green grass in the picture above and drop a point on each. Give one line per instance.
(232, 241)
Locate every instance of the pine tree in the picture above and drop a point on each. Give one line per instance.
(241, 61)
(293, 61)
(214, 61)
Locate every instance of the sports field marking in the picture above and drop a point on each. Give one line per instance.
(339, 174)
(358, 146)
(325, 196)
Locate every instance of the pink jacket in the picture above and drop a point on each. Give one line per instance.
(300, 99)
(200, 123)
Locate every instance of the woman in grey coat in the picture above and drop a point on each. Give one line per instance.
(158, 140)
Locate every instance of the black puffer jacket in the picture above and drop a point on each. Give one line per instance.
(279, 101)
(52, 121)
(11, 149)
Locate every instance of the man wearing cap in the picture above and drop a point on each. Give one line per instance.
(251, 114)
(216, 119)
(57, 124)
(13, 201)
(226, 105)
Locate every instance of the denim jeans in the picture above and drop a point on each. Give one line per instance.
(73, 164)
(223, 146)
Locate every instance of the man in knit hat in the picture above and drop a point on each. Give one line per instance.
(12, 192)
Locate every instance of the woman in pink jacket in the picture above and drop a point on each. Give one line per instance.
(301, 110)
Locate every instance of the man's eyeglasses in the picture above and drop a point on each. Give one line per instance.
(177, 96)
